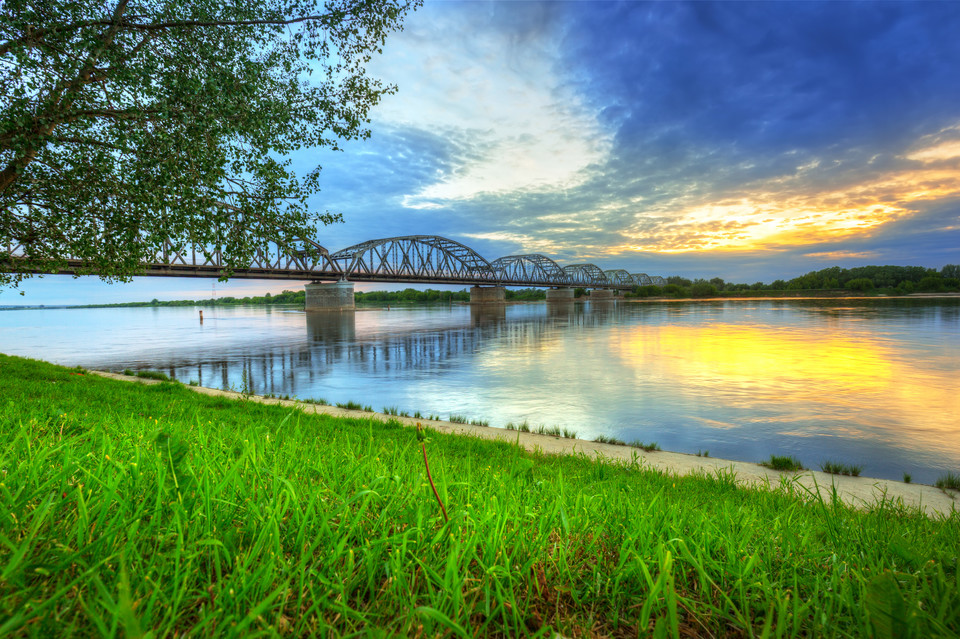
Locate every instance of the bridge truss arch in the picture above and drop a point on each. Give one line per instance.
(532, 269)
(414, 258)
(642, 279)
(619, 277)
(586, 275)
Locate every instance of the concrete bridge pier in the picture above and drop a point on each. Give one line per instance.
(559, 294)
(329, 296)
(488, 295)
(601, 294)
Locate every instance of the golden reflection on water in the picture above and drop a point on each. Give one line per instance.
(813, 374)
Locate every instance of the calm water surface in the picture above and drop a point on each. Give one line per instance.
(871, 382)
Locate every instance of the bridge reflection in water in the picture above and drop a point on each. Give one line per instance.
(338, 343)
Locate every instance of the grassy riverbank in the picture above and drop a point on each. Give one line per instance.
(129, 509)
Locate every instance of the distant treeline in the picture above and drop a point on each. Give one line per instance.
(880, 280)
(885, 280)
(286, 297)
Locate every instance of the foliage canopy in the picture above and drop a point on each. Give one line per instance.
(133, 126)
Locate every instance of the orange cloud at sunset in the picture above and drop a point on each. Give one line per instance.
(784, 213)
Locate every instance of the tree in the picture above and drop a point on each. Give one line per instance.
(860, 284)
(951, 271)
(132, 125)
(703, 288)
(930, 283)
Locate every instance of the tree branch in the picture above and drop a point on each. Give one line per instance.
(34, 37)
(106, 145)
(13, 170)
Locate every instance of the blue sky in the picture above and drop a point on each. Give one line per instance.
(749, 141)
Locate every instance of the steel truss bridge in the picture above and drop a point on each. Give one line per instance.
(420, 259)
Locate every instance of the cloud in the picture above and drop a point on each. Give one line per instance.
(832, 256)
(490, 76)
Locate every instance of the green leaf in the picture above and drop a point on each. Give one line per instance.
(887, 609)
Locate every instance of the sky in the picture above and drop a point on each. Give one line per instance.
(748, 141)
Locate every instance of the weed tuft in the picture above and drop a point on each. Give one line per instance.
(949, 481)
(783, 462)
(839, 468)
(149, 375)
(606, 439)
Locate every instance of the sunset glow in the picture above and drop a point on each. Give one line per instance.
(800, 371)
(776, 219)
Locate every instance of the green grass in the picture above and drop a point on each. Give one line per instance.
(128, 509)
(783, 462)
(907, 478)
(839, 468)
(950, 480)
(457, 419)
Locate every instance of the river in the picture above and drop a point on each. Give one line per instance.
(870, 382)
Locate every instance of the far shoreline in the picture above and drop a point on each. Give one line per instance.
(401, 304)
